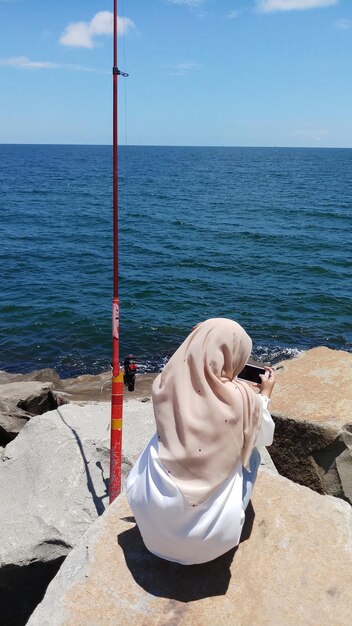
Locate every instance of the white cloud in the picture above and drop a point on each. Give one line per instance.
(102, 24)
(343, 24)
(77, 35)
(188, 3)
(232, 15)
(27, 64)
(82, 34)
(180, 69)
(268, 6)
(187, 66)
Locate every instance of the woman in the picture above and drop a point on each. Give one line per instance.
(189, 489)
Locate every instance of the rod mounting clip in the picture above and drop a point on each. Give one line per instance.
(117, 72)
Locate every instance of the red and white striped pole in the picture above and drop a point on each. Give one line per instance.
(117, 374)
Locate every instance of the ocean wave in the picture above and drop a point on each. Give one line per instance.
(274, 354)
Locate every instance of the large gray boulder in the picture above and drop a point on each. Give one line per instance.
(293, 567)
(54, 477)
(312, 409)
(53, 484)
(24, 395)
(19, 401)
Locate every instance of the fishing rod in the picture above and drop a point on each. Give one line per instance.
(117, 374)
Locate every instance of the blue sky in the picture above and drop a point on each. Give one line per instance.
(202, 72)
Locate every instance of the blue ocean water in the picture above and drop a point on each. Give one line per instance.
(262, 235)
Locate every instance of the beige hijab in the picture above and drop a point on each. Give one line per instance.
(206, 419)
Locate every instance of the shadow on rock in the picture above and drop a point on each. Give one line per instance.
(184, 583)
(22, 588)
(98, 501)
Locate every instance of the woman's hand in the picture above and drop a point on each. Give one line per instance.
(267, 384)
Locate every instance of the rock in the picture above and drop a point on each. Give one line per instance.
(53, 484)
(25, 395)
(22, 588)
(44, 375)
(312, 409)
(265, 459)
(84, 388)
(55, 473)
(87, 388)
(292, 567)
(21, 400)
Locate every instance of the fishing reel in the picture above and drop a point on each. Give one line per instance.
(130, 371)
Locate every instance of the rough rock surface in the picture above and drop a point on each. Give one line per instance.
(312, 409)
(293, 567)
(45, 375)
(56, 473)
(25, 395)
(50, 474)
(19, 401)
(53, 484)
(87, 388)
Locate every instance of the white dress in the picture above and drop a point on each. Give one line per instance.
(175, 530)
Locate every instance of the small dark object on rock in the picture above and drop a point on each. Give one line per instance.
(130, 367)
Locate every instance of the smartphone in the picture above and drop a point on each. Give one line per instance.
(251, 373)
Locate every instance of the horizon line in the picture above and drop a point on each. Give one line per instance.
(136, 145)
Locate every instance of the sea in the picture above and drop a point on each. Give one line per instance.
(260, 235)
